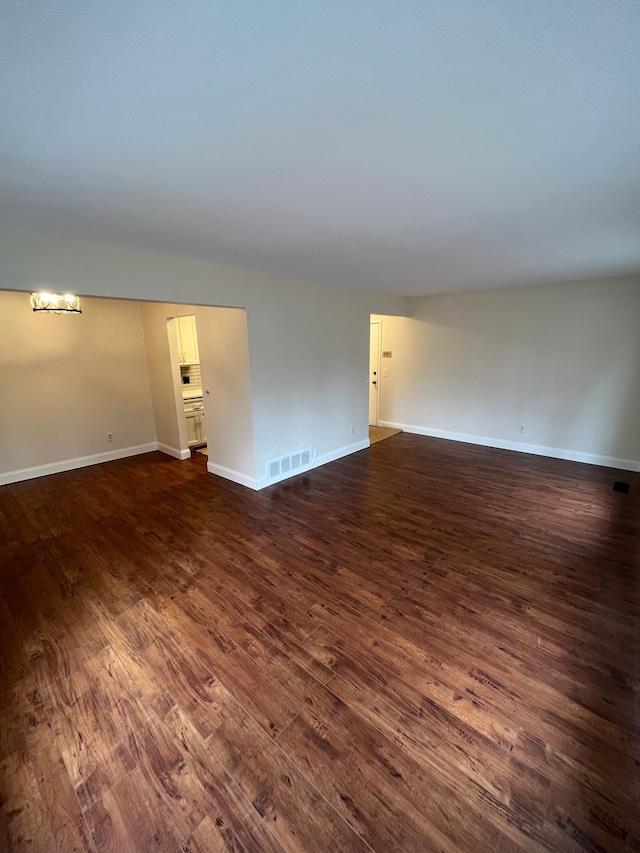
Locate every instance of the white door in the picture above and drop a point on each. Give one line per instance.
(374, 372)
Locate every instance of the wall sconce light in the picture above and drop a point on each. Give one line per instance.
(56, 303)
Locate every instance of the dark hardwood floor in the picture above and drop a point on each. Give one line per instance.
(425, 646)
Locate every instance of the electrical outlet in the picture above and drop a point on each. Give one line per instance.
(315, 452)
(109, 436)
(521, 427)
(350, 430)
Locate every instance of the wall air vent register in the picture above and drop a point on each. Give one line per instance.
(291, 462)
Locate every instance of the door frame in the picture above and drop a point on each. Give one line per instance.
(173, 333)
(377, 323)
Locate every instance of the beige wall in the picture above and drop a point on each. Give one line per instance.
(563, 360)
(66, 381)
(308, 343)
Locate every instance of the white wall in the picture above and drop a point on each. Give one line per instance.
(308, 343)
(66, 381)
(224, 364)
(562, 359)
(226, 381)
(309, 364)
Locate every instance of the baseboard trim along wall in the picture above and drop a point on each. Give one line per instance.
(332, 455)
(234, 476)
(255, 484)
(173, 451)
(220, 470)
(536, 449)
(324, 459)
(71, 464)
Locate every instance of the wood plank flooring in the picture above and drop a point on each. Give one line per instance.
(425, 646)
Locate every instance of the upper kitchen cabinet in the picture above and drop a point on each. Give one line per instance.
(187, 340)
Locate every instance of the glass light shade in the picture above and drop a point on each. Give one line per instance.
(56, 303)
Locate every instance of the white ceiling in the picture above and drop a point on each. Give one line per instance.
(412, 146)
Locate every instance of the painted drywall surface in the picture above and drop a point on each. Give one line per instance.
(563, 360)
(308, 343)
(161, 369)
(66, 381)
(31, 260)
(316, 395)
(226, 380)
(224, 365)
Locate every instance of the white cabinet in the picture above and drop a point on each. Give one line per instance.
(201, 431)
(196, 432)
(191, 429)
(188, 340)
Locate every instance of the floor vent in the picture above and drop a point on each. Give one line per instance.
(619, 486)
(289, 463)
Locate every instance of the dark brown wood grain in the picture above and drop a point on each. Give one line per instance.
(422, 647)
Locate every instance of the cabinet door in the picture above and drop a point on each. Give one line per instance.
(200, 430)
(192, 436)
(188, 340)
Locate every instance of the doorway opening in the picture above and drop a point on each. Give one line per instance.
(377, 428)
(191, 379)
(209, 346)
(191, 411)
(374, 371)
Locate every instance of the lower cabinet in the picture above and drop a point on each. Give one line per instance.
(191, 429)
(201, 432)
(196, 432)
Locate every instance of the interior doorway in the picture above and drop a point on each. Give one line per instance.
(223, 354)
(191, 400)
(374, 372)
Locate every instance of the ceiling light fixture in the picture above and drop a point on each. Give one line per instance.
(56, 303)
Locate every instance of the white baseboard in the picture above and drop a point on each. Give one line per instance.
(234, 476)
(173, 451)
(220, 470)
(315, 463)
(340, 452)
(71, 464)
(520, 447)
